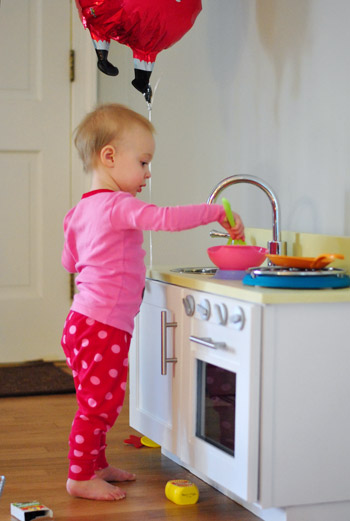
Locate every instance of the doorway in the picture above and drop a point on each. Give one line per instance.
(40, 174)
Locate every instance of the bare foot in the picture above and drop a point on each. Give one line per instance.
(113, 474)
(94, 489)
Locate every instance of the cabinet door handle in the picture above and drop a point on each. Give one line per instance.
(164, 357)
(207, 342)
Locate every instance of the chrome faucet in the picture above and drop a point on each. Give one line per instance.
(276, 246)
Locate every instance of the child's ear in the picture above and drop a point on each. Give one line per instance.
(108, 155)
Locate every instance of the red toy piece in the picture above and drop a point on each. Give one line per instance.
(135, 441)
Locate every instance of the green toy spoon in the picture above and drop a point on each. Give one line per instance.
(231, 220)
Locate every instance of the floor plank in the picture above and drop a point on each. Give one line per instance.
(33, 457)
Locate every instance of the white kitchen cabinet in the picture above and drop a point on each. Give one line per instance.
(297, 421)
(305, 418)
(154, 398)
(166, 408)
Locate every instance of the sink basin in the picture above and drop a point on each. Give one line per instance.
(196, 271)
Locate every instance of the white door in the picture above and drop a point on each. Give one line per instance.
(154, 397)
(35, 174)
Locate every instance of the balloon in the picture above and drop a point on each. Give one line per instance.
(146, 26)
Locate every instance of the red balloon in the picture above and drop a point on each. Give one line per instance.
(146, 26)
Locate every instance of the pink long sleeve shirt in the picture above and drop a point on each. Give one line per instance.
(103, 245)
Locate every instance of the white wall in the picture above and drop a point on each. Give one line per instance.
(257, 87)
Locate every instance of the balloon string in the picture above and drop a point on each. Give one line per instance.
(149, 108)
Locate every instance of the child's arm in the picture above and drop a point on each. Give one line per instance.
(67, 259)
(132, 213)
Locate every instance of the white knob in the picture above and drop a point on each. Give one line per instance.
(204, 309)
(237, 318)
(189, 305)
(221, 313)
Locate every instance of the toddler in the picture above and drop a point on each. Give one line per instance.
(103, 245)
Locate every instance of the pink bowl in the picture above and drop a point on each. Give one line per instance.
(237, 256)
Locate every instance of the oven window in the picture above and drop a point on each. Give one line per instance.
(216, 406)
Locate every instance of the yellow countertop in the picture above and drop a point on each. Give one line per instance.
(236, 289)
(298, 244)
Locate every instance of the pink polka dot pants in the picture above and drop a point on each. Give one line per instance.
(98, 357)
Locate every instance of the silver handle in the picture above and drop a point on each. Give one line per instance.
(207, 342)
(164, 359)
(2, 483)
(215, 233)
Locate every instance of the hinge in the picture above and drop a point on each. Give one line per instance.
(71, 285)
(72, 65)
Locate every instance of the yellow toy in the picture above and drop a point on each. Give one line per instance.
(182, 492)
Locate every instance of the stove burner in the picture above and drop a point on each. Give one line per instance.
(295, 272)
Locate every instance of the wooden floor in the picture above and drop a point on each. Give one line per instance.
(33, 452)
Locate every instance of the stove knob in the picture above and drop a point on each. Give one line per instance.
(204, 309)
(189, 305)
(221, 314)
(237, 319)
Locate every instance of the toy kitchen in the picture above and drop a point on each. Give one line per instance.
(241, 374)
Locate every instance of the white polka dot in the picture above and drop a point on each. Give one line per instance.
(68, 361)
(125, 338)
(74, 373)
(76, 469)
(64, 339)
(109, 396)
(90, 321)
(83, 417)
(84, 342)
(79, 439)
(78, 453)
(126, 362)
(115, 348)
(102, 334)
(70, 316)
(97, 431)
(76, 351)
(104, 415)
(94, 452)
(79, 387)
(123, 386)
(95, 380)
(119, 409)
(108, 428)
(113, 373)
(92, 402)
(84, 364)
(98, 357)
(72, 330)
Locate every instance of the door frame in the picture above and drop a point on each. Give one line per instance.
(83, 96)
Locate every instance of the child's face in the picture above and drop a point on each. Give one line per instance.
(132, 159)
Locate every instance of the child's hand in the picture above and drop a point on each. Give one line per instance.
(237, 232)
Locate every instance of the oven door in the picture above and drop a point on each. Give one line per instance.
(222, 391)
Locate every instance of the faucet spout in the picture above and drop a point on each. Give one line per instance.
(276, 246)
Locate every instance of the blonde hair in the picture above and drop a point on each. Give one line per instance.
(106, 123)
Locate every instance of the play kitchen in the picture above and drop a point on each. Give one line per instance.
(245, 385)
